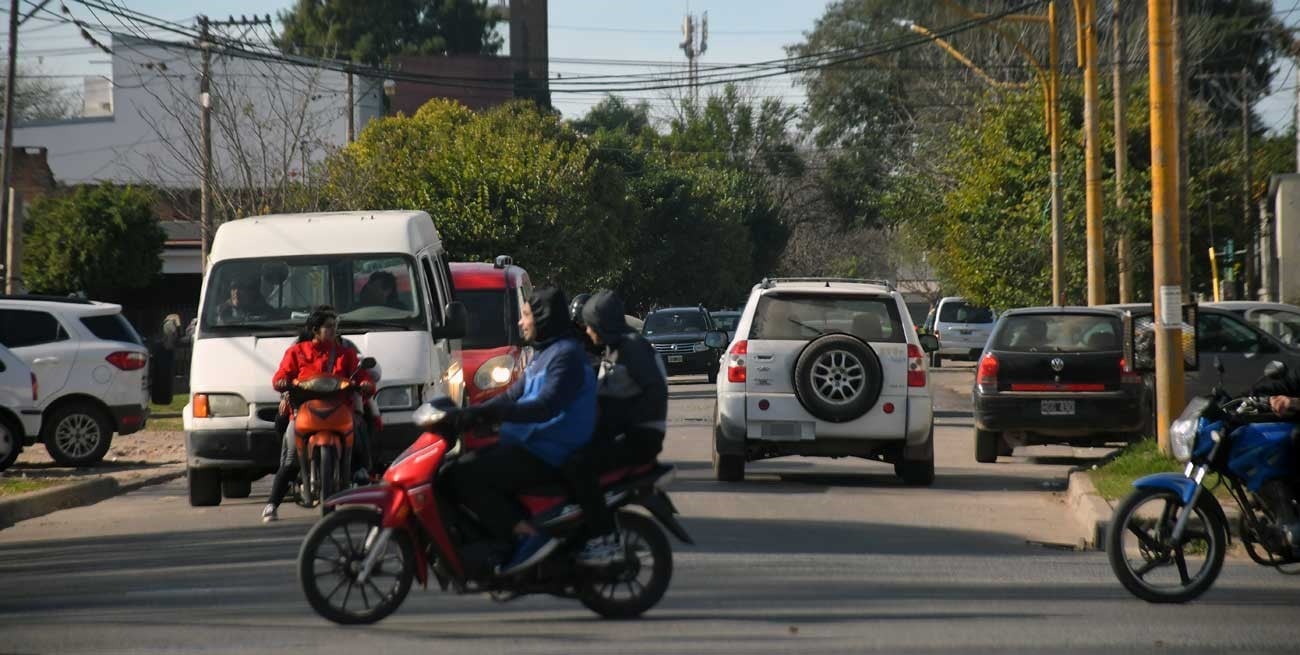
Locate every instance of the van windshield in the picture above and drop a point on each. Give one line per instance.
(369, 291)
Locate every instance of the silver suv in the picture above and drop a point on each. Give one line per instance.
(825, 367)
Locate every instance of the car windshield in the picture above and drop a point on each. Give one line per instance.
(1062, 333)
(957, 311)
(675, 322)
(493, 319)
(781, 317)
(276, 294)
(1282, 324)
(726, 322)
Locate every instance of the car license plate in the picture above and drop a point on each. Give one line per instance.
(674, 359)
(1058, 408)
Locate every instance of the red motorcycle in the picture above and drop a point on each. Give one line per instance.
(357, 564)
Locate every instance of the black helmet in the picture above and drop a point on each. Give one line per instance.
(575, 308)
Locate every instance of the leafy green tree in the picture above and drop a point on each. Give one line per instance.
(615, 114)
(104, 240)
(513, 180)
(372, 32)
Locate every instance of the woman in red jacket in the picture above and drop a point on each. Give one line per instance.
(318, 351)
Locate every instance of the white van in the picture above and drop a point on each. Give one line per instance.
(962, 328)
(387, 276)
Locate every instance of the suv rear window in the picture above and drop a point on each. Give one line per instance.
(20, 327)
(676, 322)
(958, 311)
(785, 317)
(1062, 333)
(111, 327)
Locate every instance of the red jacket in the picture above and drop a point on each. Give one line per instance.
(308, 358)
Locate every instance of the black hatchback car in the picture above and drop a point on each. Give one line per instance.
(677, 334)
(1056, 375)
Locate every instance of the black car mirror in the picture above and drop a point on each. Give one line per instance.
(1275, 370)
(715, 339)
(929, 342)
(455, 322)
(367, 363)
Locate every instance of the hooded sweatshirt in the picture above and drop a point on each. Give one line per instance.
(632, 387)
(552, 410)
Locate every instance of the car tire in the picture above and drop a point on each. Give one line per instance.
(915, 472)
(11, 443)
(77, 434)
(728, 468)
(818, 374)
(240, 487)
(713, 377)
(205, 487)
(986, 446)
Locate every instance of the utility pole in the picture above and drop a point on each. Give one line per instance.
(694, 44)
(1054, 137)
(205, 129)
(1092, 127)
(1165, 244)
(352, 112)
(9, 127)
(1246, 181)
(1122, 242)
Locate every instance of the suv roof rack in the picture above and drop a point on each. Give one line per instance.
(769, 282)
(72, 300)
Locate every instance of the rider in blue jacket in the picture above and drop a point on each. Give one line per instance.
(545, 418)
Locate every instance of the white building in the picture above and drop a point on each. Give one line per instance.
(272, 117)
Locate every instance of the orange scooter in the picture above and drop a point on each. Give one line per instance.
(323, 424)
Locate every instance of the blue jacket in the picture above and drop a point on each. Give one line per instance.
(552, 410)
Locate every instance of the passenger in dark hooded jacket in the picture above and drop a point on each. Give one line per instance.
(632, 414)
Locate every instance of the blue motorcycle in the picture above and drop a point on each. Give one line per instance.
(1167, 540)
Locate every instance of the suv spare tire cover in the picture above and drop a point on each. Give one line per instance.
(837, 377)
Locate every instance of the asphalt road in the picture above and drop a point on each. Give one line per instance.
(808, 556)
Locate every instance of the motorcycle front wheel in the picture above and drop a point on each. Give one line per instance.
(328, 474)
(627, 590)
(1144, 557)
(331, 559)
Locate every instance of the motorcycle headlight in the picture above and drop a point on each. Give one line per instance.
(1182, 432)
(427, 415)
(395, 398)
(494, 373)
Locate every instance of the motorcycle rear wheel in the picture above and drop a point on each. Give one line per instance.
(1145, 560)
(644, 575)
(331, 556)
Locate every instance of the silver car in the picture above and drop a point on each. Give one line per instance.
(962, 328)
(1278, 319)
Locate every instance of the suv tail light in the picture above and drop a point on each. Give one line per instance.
(736, 362)
(128, 361)
(988, 373)
(36, 387)
(1126, 373)
(915, 366)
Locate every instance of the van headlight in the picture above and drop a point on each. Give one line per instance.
(494, 373)
(395, 398)
(219, 405)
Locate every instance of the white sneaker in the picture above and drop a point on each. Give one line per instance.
(601, 551)
(269, 513)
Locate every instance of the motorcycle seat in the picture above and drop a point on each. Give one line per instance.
(560, 490)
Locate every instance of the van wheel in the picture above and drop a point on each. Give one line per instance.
(986, 446)
(77, 434)
(236, 487)
(205, 487)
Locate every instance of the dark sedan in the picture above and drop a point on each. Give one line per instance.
(677, 334)
(1056, 375)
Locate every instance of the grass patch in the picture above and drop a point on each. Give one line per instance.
(168, 424)
(1138, 459)
(165, 425)
(174, 407)
(15, 486)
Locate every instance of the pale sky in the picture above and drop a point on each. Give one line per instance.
(643, 31)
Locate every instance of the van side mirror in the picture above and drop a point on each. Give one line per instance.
(1275, 370)
(455, 322)
(716, 339)
(503, 261)
(929, 342)
(367, 363)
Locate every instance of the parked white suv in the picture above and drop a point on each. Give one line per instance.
(19, 416)
(823, 367)
(91, 368)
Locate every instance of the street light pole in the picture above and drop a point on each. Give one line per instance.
(1092, 146)
(1165, 244)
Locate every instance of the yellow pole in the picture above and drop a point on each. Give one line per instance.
(1214, 273)
(1166, 247)
(1054, 136)
(1092, 146)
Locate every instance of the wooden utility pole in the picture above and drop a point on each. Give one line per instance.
(1122, 240)
(1165, 243)
(1087, 14)
(1054, 136)
(1184, 161)
(1248, 290)
(8, 165)
(352, 112)
(205, 129)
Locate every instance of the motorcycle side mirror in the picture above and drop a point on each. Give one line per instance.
(1275, 370)
(368, 363)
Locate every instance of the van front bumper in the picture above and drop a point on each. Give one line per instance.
(233, 449)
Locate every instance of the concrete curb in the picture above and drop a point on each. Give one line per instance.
(1088, 510)
(76, 494)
